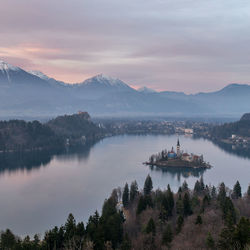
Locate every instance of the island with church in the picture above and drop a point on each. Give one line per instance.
(177, 159)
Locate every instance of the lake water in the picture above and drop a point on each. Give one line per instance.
(37, 198)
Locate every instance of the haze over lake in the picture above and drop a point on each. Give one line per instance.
(42, 197)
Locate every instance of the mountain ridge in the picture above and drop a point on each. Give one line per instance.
(33, 93)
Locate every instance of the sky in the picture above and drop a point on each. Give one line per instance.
(175, 45)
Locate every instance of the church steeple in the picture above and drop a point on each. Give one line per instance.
(178, 148)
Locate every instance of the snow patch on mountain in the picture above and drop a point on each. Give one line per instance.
(39, 74)
(146, 90)
(4, 66)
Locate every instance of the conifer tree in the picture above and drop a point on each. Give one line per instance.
(180, 222)
(198, 220)
(213, 192)
(148, 185)
(170, 198)
(150, 228)
(125, 196)
(184, 186)
(133, 191)
(237, 190)
(210, 241)
(248, 191)
(197, 187)
(167, 235)
(187, 210)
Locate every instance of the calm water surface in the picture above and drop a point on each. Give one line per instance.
(36, 199)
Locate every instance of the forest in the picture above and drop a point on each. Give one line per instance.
(19, 135)
(240, 128)
(204, 217)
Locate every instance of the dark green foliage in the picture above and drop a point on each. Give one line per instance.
(248, 191)
(222, 193)
(187, 210)
(144, 202)
(148, 185)
(133, 191)
(170, 198)
(19, 135)
(75, 126)
(237, 190)
(180, 222)
(126, 243)
(210, 241)
(150, 228)
(179, 205)
(228, 210)
(242, 232)
(197, 187)
(70, 227)
(125, 196)
(198, 220)
(8, 240)
(213, 193)
(184, 186)
(167, 235)
(235, 237)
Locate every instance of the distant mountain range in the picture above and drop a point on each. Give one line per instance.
(33, 93)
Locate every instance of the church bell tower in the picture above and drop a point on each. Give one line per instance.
(178, 148)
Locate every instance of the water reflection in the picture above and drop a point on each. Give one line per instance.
(29, 161)
(180, 172)
(243, 152)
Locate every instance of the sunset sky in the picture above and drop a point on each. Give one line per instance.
(177, 45)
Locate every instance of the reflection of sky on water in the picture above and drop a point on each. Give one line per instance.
(35, 200)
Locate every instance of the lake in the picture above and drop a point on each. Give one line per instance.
(39, 196)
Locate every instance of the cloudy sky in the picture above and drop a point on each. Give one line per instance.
(181, 45)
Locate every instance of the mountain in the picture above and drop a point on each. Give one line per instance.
(33, 93)
(146, 90)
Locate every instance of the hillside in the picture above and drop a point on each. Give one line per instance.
(35, 94)
(201, 218)
(239, 128)
(18, 135)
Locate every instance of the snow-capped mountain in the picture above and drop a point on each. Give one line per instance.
(146, 90)
(35, 94)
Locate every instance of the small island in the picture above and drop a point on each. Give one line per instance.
(177, 159)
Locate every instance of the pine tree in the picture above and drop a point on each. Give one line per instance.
(213, 192)
(210, 241)
(202, 185)
(197, 187)
(198, 220)
(170, 198)
(180, 222)
(222, 193)
(133, 191)
(125, 196)
(167, 235)
(150, 228)
(148, 185)
(248, 191)
(70, 227)
(184, 186)
(187, 210)
(237, 190)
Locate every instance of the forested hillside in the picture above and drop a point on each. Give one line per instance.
(18, 135)
(240, 128)
(203, 218)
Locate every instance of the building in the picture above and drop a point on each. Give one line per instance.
(189, 131)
